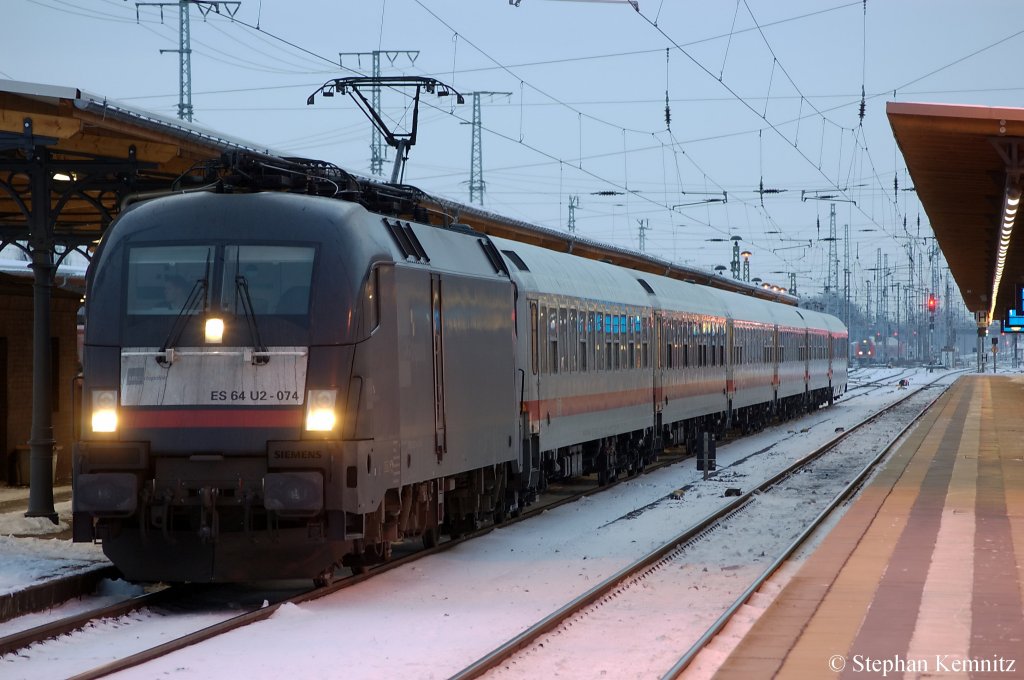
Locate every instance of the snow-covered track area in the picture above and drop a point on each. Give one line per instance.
(691, 583)
(436, 613)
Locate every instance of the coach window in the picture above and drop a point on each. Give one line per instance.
(606, 342)
(620, 342)
(701, 348)
(634, 322)
(630, 346)
(682, 339)
(716, 346)
(542, 338)
(609, 341)
(720, 344)
(571, 346)
(616, 340)
(627, 340)
(677, 343)
(645, 340)
(584, 341)
(695, 342)
(563, 348)
(712, 341)
(666, 342)
(626, 336)
(674, 340)
(553, 339)
(533, 337)
(598, 341)
(638, 341)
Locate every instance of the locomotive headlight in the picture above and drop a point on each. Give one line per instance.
(214, 331)
(320, 416)
(104, 410)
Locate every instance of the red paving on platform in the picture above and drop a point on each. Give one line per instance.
(922, 577)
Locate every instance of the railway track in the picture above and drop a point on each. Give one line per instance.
(558, 496)
(172, 597)
(626, 597)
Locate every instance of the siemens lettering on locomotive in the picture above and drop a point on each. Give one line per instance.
(277, 383)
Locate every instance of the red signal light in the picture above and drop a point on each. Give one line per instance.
(932, 302)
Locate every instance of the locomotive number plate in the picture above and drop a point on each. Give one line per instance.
(222, 377)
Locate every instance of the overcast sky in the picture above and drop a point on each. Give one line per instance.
(762, 93)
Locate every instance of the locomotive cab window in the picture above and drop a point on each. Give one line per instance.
(161, 279)
(275, 279)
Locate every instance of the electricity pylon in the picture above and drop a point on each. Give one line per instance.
(476, 152)
(185, 42)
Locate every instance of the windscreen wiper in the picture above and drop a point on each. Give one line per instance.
(259, 356)
(197, 294)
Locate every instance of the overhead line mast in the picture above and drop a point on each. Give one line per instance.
(185, 42)
(476, 160)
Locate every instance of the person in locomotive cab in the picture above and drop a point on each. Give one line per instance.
(175, 292)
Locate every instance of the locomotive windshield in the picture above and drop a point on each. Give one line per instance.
(161, 278)
(277, 278)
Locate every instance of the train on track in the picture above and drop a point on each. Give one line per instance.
(863, 350)
(280, 382)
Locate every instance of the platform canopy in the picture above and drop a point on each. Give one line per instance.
(91, 152)
(98, 151)
(965, 162)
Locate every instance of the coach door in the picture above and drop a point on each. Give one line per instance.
(659, 365)
(437, 333)
(776, 358)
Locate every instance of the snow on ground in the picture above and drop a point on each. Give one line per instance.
(25, 560)
(436, 616)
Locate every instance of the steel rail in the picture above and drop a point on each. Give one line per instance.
(346, 582)
(265, 612)
(20, 640)
(839, 498)
(553, 620)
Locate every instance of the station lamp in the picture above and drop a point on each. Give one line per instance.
(1011, 202)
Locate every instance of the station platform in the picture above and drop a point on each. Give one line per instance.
(924, 574)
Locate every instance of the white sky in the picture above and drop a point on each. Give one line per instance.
(438, 615)
(590, 79)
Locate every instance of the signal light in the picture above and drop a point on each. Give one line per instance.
(932, 302)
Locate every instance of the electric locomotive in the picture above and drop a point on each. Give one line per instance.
(283, 414)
